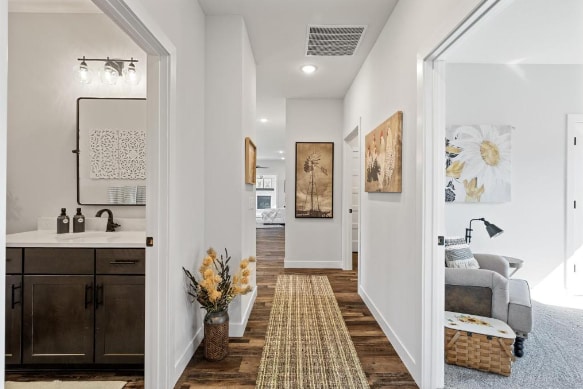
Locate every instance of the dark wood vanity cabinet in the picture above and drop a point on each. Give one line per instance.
(13, 306)
(79, 306)
(119, 306)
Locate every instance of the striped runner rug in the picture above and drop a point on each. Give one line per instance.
(307, 343)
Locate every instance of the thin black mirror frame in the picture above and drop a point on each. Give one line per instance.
(76, 151)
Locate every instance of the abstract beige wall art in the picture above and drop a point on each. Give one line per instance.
(383, 156)
(314, 179)
(250, 161)
(477, 163)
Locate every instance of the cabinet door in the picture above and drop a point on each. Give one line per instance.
(58, 319)
(13, 319)
(119, 319)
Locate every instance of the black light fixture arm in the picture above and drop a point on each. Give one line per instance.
(469, 230)
(107, 59)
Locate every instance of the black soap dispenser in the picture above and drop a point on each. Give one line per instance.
(63, 222)
(78, 222)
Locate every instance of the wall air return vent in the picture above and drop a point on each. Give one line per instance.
(332, 41)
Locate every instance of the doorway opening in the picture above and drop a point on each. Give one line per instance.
(351, 200)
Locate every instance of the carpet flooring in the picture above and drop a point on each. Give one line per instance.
(307, 343)
(65, 385)
(553, 356)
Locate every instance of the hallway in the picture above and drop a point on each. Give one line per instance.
(379, 360)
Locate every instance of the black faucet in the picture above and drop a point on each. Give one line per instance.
(110, 224)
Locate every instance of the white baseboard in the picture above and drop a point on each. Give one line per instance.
(187, 354)
(290, 264)
(237, 329)
(402, 351)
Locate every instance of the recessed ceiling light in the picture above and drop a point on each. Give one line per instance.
(283, 158)
(309, 69)
(263, 120)
(280, 151)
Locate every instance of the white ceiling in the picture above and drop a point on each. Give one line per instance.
(277, 31)
(525, 32)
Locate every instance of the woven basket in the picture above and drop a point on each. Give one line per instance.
(478, 351)
(216, 336)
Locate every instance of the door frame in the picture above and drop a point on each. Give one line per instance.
(430, 184)
(3, 171)
(131, 17)
(347, 161)
(572, 120)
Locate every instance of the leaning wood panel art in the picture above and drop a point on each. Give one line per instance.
(314, 179)
(383, 165)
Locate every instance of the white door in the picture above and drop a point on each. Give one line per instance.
(574, 257)
(355, 195)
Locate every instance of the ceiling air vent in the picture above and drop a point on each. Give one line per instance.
(331, 41)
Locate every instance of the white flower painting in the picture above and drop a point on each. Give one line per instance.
(478, 161)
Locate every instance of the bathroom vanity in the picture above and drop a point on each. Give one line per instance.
(75, 299)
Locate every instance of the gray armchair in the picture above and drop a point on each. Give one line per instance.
(489, 292)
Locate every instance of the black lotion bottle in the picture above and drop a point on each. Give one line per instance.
(78, 222)
(63, 222)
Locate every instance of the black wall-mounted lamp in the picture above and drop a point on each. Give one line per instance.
(492, 229)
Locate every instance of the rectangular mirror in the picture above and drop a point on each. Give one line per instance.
(111, 151)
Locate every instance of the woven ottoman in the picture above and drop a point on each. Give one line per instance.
(478, 342)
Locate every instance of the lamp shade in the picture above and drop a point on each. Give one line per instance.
(493, 229)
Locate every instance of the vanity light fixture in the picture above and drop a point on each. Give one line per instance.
(309, 69)
(112, 70)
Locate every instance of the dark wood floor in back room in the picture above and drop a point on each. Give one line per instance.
(383, 368)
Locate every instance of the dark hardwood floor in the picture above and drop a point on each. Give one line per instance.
(380, 362)
(384, 369)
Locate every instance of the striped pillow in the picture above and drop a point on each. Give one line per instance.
(458, 254)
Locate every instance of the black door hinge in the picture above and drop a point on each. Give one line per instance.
(149, 241)
(440, 240)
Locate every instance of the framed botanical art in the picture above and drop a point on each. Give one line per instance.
(250, 161)
(314, 180)
(478, 163)
(383, 165)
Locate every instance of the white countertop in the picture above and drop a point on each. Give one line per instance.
(99, 239)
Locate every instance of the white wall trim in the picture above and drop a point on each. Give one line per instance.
(237, 329)
(188, 352)
(297, 264)
(131, 17)
(396, 342)
(430, 180)
(347, 163)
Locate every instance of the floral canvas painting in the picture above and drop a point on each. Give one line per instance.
(383, 162)
(478, 163)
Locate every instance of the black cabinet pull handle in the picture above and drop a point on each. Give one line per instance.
(124, 262)
(88, 295)
(98, 296)
(14, 302)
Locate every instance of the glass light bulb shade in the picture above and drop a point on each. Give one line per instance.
(131, 75)
(109, 75)
(83, 74)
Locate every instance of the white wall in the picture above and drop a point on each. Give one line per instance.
(229, 118)
(535, 99)
(313, 243)
(275, 167)
(42, 104)
(391, 255)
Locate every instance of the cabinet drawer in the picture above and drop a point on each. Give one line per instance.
(13, 260)
(120, 261)
(58, 261)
